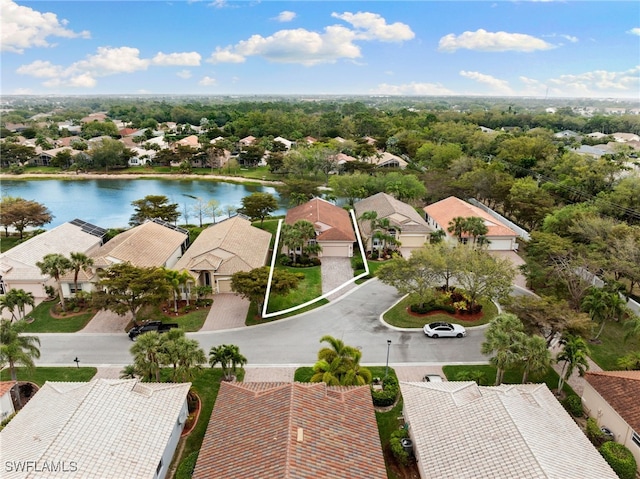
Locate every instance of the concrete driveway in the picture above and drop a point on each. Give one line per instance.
(106, 321)
(228, 311)
(336, 271)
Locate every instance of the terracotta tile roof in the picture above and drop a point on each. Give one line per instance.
(227, 247)
(462, 430)
(110, 428)
(5, 386)
(621, 389)
(399, 214)
(331, 222)
(445, 210)
(291, 430)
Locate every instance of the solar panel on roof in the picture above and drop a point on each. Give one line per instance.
(89, 228)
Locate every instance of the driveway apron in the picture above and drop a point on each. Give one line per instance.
(336, 272)
(228, 311)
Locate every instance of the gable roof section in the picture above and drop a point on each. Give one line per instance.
(229, 246)
(5, 387)
(102, 425)
(504, 431)
(19, 263)
(150, 244)
(291, 430)
(621, 389)
(332, 223)
(445, 210)
(400, 214)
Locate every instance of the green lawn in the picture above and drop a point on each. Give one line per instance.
(612, 346)
(40, 375)
(308, 289)
(373, 267)
(45, 323)
(398, 316)
(189, 322)
(8, 242)
(511, 376)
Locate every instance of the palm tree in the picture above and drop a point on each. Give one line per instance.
(128, 372)
(456, 226)
(22, 299)
(147, 353)
(292, 240)
(184, 278)
(182, 353)
(596, 304)
(229, 357)
(79, 261)
(372, 217)
(328, 372)
(55, 265)
(340, 363)
(574, 354)
(338, 349)
(356, 375)
(475, 227)
(503, 338)
(630, 361)
(536, 356)
(632, 326)
(174, 281)
(437, 236)
(8, 301)
(16, 348)
(473, 375)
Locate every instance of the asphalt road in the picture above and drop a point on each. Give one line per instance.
(355, 319)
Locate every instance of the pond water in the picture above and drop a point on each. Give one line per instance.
(107, 202)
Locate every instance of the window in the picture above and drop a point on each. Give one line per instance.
(635, 437)
(159, 468)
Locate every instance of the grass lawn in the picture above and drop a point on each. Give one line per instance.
(612, 346)
(8, 242)
(308, 289)
(398, 316)
(189, 322)
(45, 323)
(40, 375)
(511, 376)
(373, 267)
(271, 226)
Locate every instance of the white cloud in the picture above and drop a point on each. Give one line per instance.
(371, 26)
(285, 16)
(108, 61)
(413, 88)
(22, 91)
(484, 41)
(307, 47)
(634, 31)
(23, 27)
(41, 69)
(191, 59)
(498, 86)
(207, 81)
(184, 74)
(598, 83)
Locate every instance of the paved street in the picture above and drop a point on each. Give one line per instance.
(355, 318)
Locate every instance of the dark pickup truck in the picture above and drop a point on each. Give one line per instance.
(150, 326)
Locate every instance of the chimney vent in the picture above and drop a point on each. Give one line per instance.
(300, 434)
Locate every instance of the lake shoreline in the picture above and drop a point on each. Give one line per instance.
(135, 176)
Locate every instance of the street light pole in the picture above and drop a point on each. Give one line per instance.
(386, 369)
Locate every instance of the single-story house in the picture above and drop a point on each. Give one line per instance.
(438, 215)
(45, 157)
(6, 401)
(18, 268)
(291, 430)
(462, 430)
(190, 141)
(384, 159)
(225, 248)
(333, 225)
(101, 428)
(154, 243)
(407, 225)
(287, 143)
(247, 141)
(611, 398)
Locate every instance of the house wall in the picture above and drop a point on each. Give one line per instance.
(170, 450)
(6, 405)
(599, 409)
(173, 259)
(85, 286)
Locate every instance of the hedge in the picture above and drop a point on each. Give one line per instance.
(573, 404)
(388, 395)
(396, 446)
(186, 467)
(620, 459)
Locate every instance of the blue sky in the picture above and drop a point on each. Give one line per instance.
(498, 48)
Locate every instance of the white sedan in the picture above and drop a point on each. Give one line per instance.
(444, 330)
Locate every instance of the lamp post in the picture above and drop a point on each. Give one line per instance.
(386, 369)
(77, 361)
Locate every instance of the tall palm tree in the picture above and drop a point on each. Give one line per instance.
(55, 265)
(475, 227)
(8, 301)
(17, 349)
(184, 278)
(632, 326)
(372, 217)
(595, 303)
(574, 354)
(229, 357)
(147, 355)
(292, 240)
(182, 353)
(22, 299)
(535, 355)
(173, 277)
(79, 261)
(503, 339)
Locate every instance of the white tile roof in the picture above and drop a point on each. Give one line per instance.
(461, 430)
(19, 263)
(109, 428)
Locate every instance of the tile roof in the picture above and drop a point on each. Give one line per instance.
(621, 389)
(445, 210)
(5, 386)
(291, 430)
(462, 430)
(400, 214)
(332, 223)
(19, 263)
(109, 428)
(147, 245)
(227, 247)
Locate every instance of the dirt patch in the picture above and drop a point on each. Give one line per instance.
(461, 317)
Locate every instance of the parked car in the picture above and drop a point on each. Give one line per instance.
(444, 330)
(150, 326)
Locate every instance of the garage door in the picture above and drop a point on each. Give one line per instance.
(335, 250)
(224, 286)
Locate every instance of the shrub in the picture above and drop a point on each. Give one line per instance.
(573, 404)
(186, 467)
(388, 394)
(284, 260)
(395, 442)
(6, 420)
(620, 459)
(357, 263)
(595, 435)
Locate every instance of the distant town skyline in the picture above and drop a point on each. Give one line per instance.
(586, 49)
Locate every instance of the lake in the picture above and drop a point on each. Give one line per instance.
(107, 202)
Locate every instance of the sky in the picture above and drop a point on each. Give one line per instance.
(587, 49)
